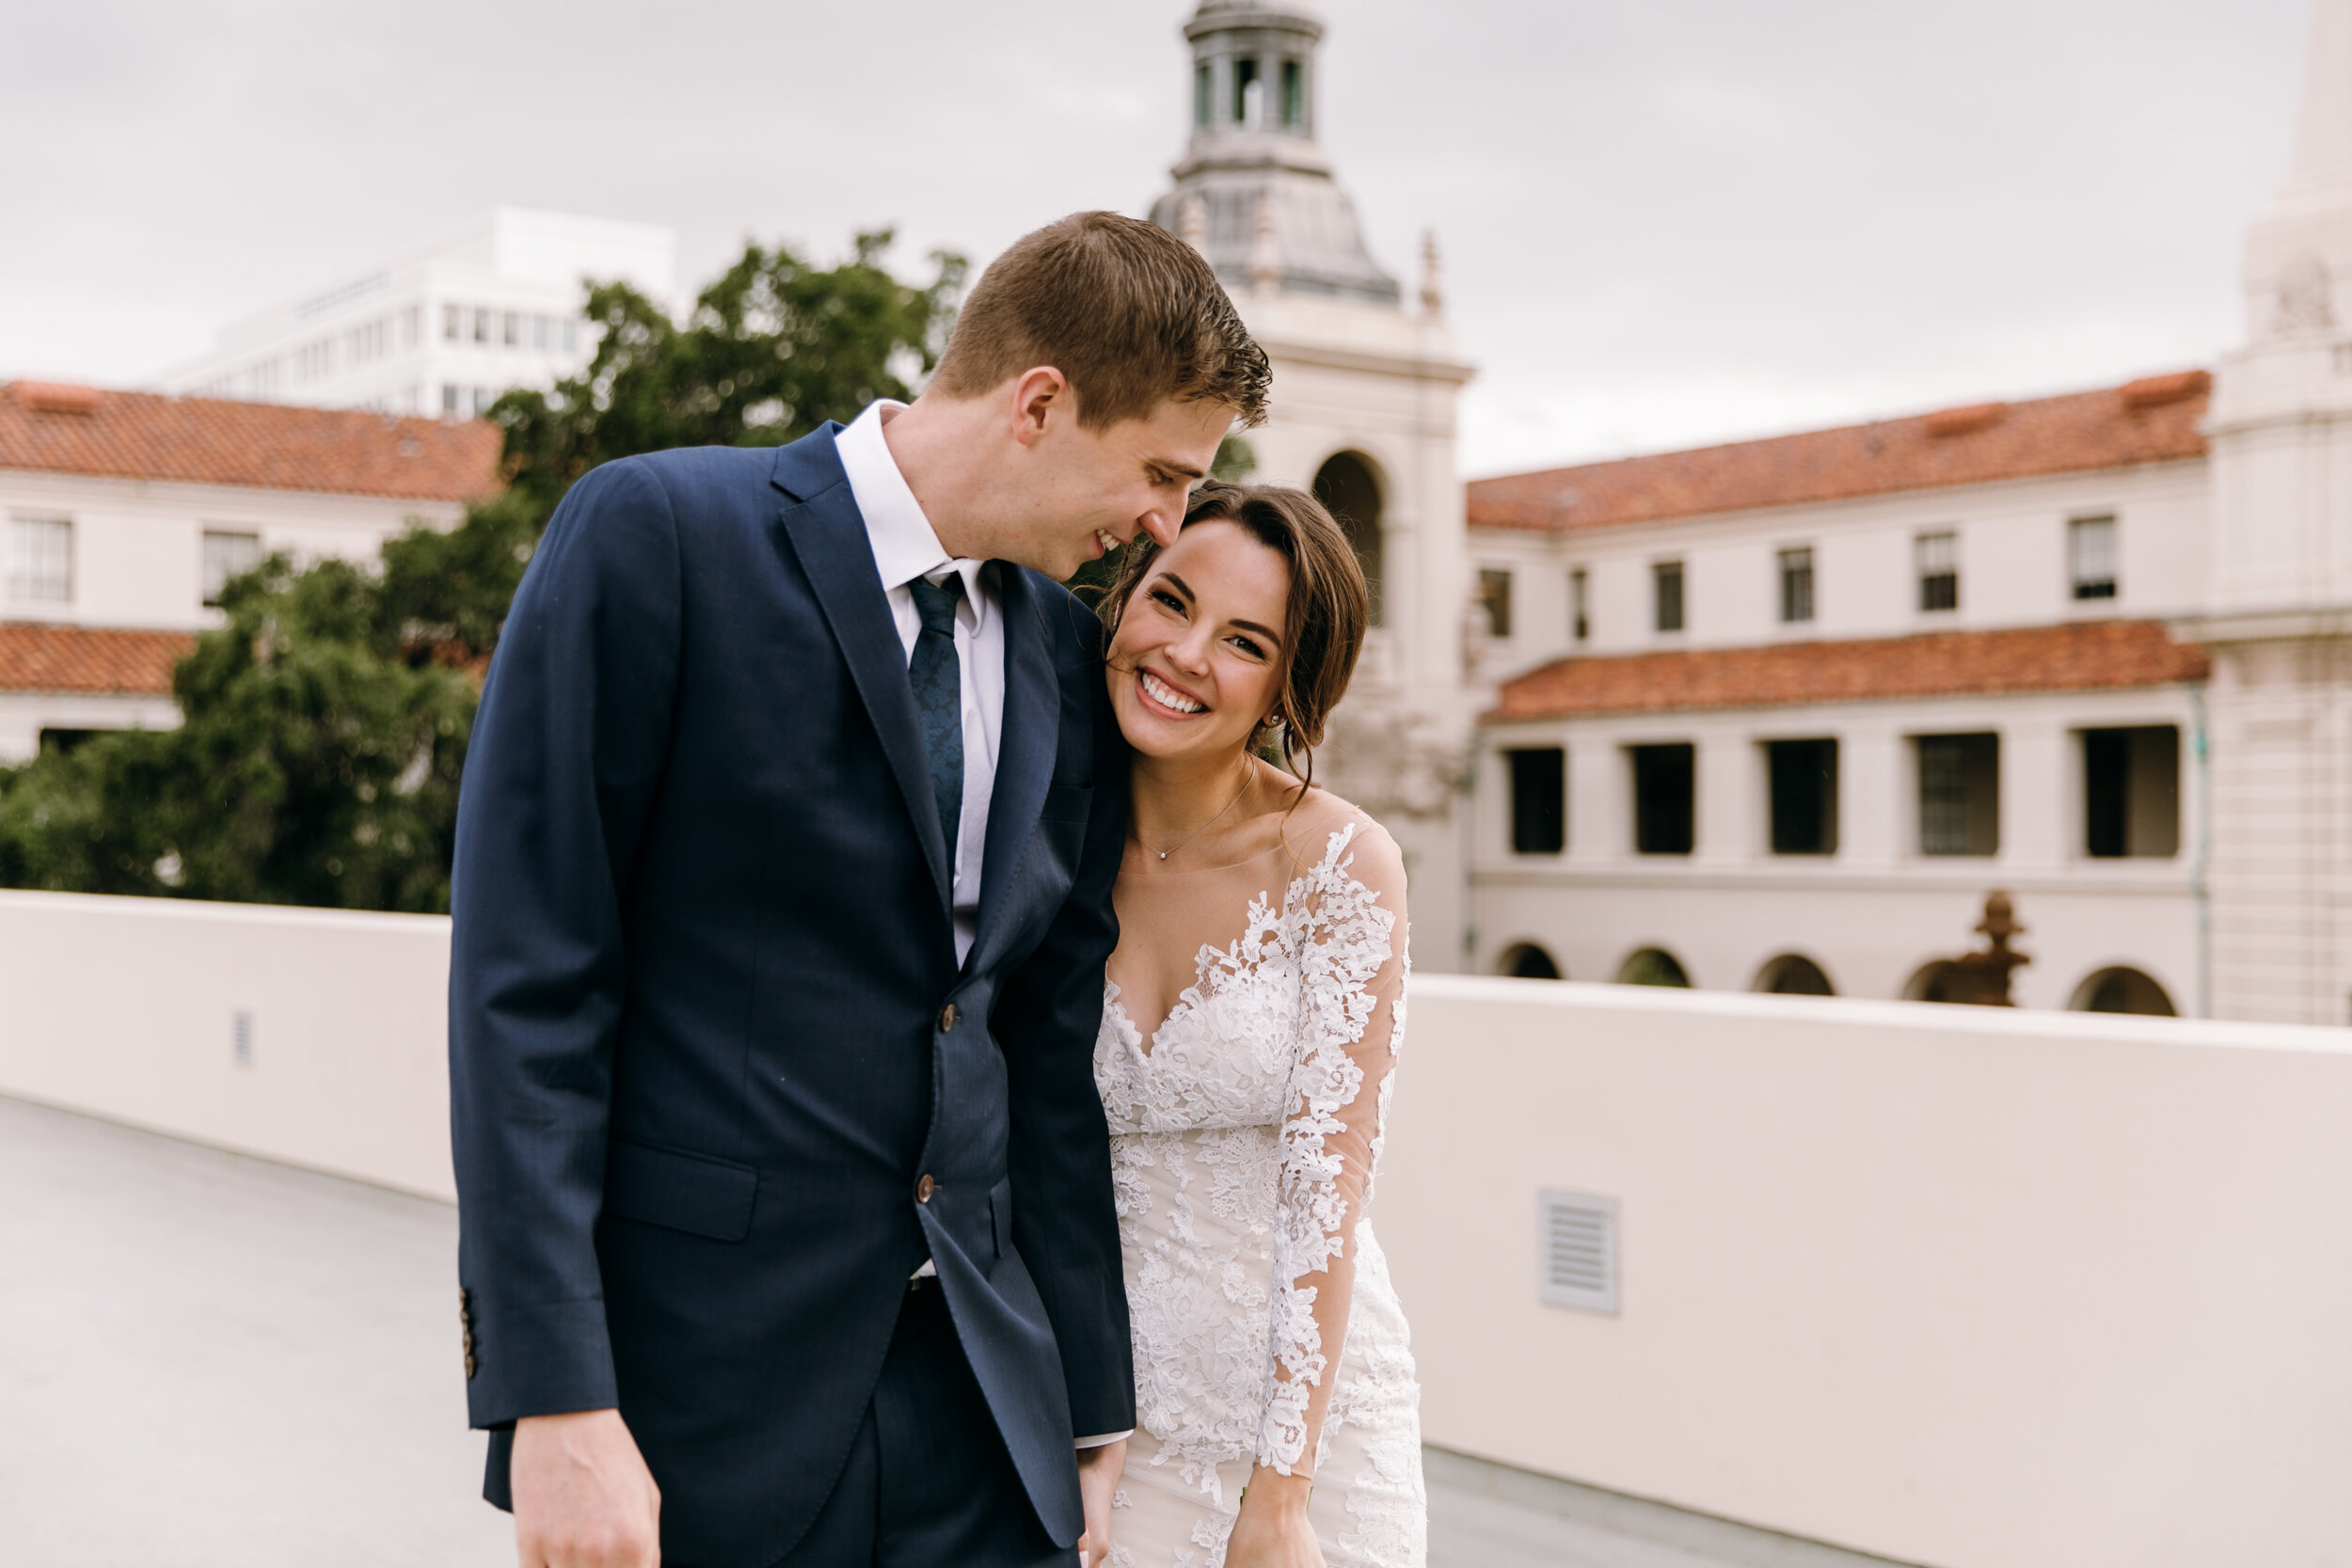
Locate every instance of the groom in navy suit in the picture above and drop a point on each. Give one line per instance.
(782, 899)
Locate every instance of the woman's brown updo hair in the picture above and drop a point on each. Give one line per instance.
(1325, 618)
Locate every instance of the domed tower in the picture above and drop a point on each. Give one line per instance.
(1362, 414)
(2279, 609)
(1263, 204)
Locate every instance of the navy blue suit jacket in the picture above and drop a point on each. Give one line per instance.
(700, 1051)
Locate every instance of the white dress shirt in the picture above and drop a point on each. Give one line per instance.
(905, 548)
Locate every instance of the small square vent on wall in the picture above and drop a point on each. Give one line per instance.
(1577, 1250)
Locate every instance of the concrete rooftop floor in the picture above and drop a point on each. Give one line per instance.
(211, 1361)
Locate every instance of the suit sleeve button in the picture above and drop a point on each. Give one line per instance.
(947, 1018)
(924, 1189)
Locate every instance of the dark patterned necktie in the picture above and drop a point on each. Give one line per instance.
(939, 699)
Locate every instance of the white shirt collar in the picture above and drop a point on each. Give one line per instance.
(905, 544)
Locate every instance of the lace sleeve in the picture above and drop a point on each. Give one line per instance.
(1346, 918)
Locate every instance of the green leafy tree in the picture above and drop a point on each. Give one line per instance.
(325, 723)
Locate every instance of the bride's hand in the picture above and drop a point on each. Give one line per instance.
(1271, 1530)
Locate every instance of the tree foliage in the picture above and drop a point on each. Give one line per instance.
(325, 722)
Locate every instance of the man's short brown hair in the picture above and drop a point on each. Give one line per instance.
(1131, 314)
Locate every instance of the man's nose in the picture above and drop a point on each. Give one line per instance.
(1162, 527)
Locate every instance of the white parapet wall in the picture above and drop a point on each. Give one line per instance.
(131, 1009)
(1959, 1287)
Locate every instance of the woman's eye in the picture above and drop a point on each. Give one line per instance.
(1249, 647)
(1162, 596)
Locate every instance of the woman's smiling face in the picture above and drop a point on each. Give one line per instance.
(1197, 659)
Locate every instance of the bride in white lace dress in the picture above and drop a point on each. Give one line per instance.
(1250, 1029)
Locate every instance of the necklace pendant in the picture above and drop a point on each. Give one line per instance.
(1162, 853)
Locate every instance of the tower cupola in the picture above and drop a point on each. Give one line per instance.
(1254, 190)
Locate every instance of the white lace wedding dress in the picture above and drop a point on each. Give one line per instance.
(1244, 1135)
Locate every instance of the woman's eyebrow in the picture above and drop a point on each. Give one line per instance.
(1268, 632)
(1182, 586)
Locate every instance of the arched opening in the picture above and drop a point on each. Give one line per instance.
(1347, 485)
(1652, 966)
(1793, 974)
(2122, 991)
(1526, 961)
(1931, 982)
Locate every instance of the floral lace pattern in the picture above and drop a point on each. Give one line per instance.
(1243, 1133)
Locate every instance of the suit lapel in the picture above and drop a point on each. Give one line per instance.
(828, 536)
(1025, 750)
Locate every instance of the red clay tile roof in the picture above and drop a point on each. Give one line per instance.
(2152, 420)
(2091, 656)
(49, 428)
(36, 658)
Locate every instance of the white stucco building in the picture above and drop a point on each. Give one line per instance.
(1779, 715)
(444, 329)
(125, 512)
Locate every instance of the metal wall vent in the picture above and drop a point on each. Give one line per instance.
(1577, 1250)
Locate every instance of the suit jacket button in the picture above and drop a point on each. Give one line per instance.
(947, 1018)
(923, 1189)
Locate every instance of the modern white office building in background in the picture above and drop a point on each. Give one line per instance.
(445, 328)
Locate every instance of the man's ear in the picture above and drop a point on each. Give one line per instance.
(1040, 398)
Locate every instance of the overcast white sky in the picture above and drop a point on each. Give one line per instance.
(1666, 222)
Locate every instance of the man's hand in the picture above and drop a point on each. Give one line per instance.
(1098, 1478)
(583, 1498)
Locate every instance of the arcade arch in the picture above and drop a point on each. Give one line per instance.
(1653, 966)
(1793, 974)
(2122, 990)
(1348, 484)
(1525, 961)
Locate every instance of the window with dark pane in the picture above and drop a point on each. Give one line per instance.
(2132, 792)
(1803, 779)
(1579, 617)
(1200, 89)
(1796, 586)
(1938, 557)
(1666, 594)
(2090, 557)
(1245, 77)
(1665, 778)
(1494, 597)
(1539, 800)
(1960, 794)
(1294, 95)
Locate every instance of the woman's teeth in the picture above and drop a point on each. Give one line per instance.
(1168, 696)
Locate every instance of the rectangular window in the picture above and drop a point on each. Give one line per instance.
(1960, 794)
(1938, 557)
(483, 397)
(2090, 557)
(1664, 779)
(40, 559)
(1666, 594)
(226, 555)
(571, 336)
(482, 323)
(1579, 615)
(2132, 792)
(411, 326)
(513, 334)
(1803, 776)
(1200, 94)
(1796, 586)
(1494, 597)
(449, 399)
(541, 329)
(1294, 94)
(1540, 801)
(1244, 78)
(451, 323)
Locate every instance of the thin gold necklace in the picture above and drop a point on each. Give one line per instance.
(1250, 775)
